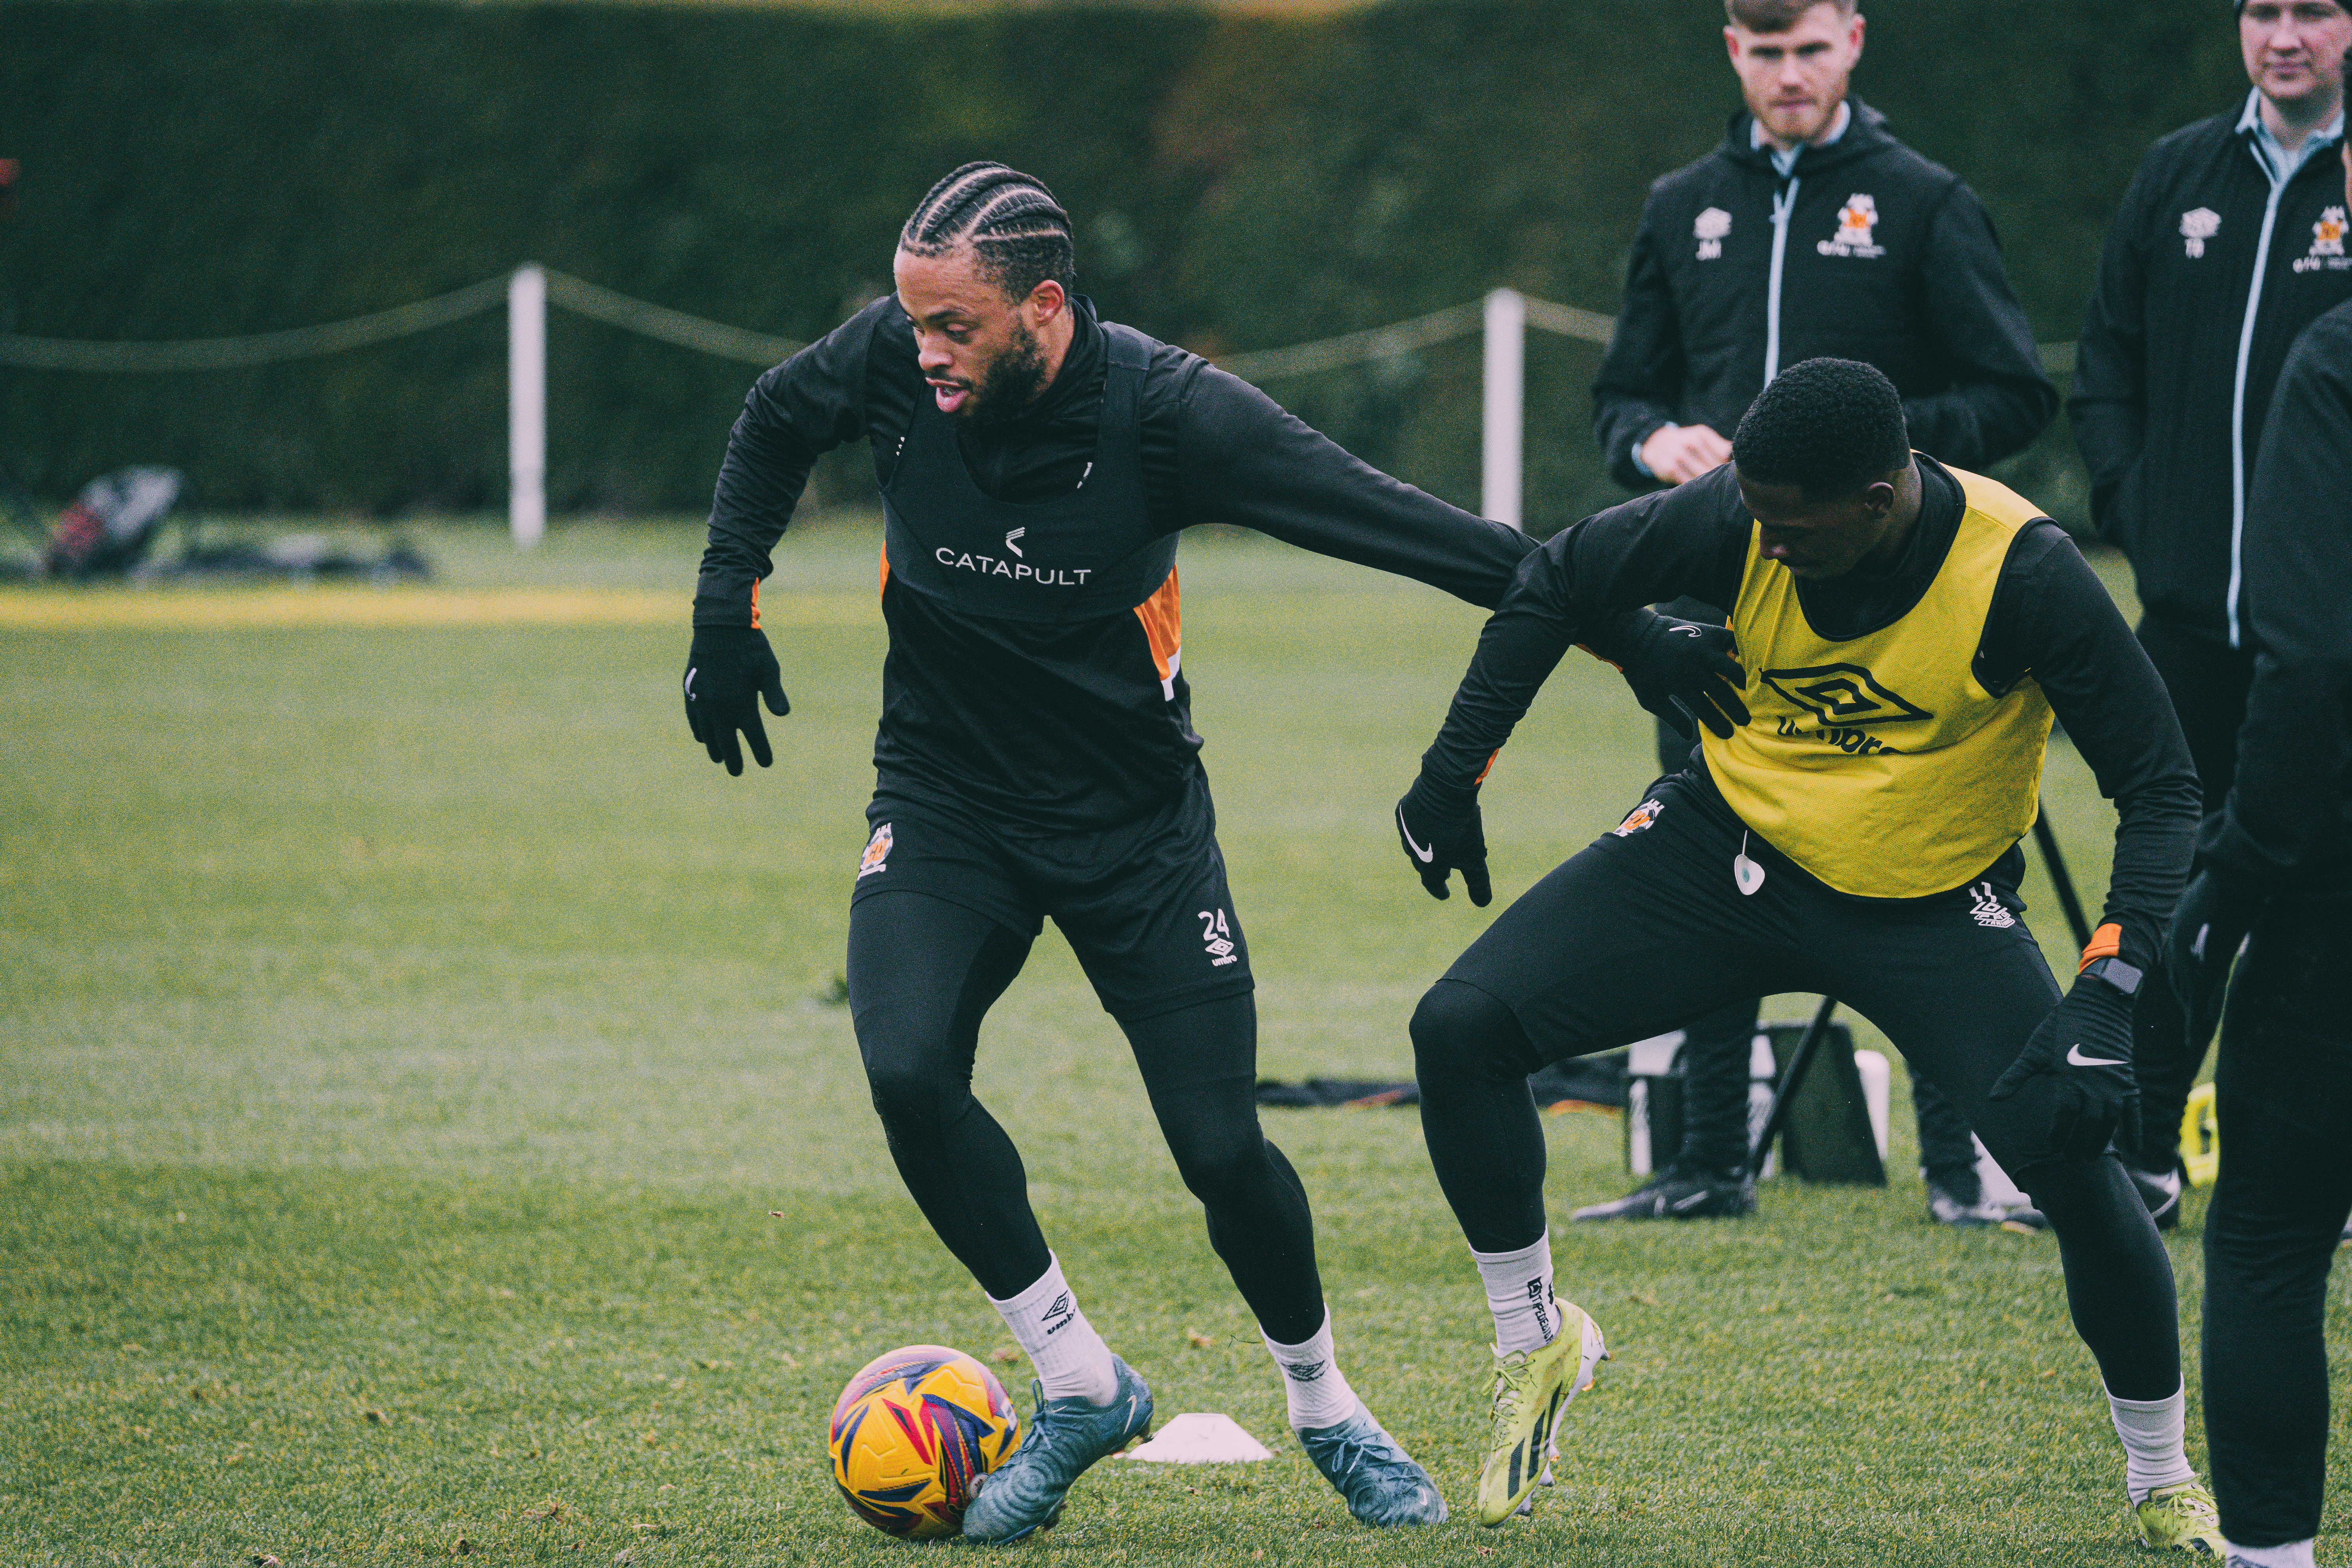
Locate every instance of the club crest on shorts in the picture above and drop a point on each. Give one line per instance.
(1639, 817)
(877, 853)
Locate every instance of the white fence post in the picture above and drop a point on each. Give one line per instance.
(526, 406)
(1507, 342)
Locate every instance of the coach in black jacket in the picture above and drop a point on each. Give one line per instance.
(1864, 250)
(1809, 232)
(2230, 242)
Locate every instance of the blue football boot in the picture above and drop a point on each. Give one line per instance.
(1024, 1493)
(1371, 1469)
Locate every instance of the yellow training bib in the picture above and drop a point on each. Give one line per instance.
(1878, 763)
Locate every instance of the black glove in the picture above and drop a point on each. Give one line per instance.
(2085, 1045)
(728, 669)
(1440, 832)
(2215, 914)
(1682, 671)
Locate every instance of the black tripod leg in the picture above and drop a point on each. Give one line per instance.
(1791, 1077)
(2055, 863)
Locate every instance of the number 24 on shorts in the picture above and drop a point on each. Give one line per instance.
(1217, 936)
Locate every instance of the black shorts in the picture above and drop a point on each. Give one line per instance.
(1144, 905)
(1646, 930)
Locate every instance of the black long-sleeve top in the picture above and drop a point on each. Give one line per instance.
(2287, 823)
(1062, 726)
(1888, 258)
(2051, 620)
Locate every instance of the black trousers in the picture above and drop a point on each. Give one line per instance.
(2285, 1109)
(923, 972)
(1716, 1050)
(1644, 931)
(2208, 682)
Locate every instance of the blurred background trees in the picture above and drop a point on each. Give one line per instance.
(202, 169)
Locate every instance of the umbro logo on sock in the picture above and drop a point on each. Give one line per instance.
(1060, 1315)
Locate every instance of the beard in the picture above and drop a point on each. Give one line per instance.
(1011, 382)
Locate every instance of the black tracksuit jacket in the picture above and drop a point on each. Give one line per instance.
(2287, 823)
(1062, 726)
(1884, 257)
(2171, 389)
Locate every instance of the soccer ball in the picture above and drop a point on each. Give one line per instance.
(912, 1434)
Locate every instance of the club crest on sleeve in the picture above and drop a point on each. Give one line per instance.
(2197, 226)
(2327, 253)
(1709, 229)
(1857, 222)
(877, 853)
(1641, 816)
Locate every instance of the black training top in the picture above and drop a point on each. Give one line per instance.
(1045, 705)
(2051, 619)
(2287, 823)
(1882, 256)
(2171, 386)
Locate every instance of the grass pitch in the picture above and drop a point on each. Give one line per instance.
(427, 1128)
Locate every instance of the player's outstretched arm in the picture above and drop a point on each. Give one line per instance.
(2053, 621)
(812, 403)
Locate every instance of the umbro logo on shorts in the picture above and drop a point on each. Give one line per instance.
(1842, 694)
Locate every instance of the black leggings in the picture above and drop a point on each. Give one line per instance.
(923, 974)
(2285, 1109)
(1640, 934)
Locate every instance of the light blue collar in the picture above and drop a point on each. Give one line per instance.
(1784, 164)
(2279, 164)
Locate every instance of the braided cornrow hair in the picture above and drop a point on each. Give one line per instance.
(1019, 232)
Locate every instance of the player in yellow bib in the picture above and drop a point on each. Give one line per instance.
(1903, 634)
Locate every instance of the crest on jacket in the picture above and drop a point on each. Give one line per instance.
(2326, 243)
(1708, 229)
(2197, 226)
(1856, 221)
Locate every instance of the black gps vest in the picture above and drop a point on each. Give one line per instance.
(1088, 554)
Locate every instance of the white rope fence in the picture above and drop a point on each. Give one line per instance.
(1503, 316)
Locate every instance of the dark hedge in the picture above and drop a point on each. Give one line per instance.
(195, 170)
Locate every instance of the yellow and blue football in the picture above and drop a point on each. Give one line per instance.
(912, 1434)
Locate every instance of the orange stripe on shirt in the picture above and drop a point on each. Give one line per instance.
(882, 570)
(755, 603)
(1162, 616)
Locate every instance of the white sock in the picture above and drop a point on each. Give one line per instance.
(1519, 1292)
(1319, 1394)
(2293, 1554)
(1069, 1356)
(2153, 1453)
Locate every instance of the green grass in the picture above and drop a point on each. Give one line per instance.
(420, 1110)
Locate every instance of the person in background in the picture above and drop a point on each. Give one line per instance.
(2229, 242)
(1811, 231)
(2274, 868)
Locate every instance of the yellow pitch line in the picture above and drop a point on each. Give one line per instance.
(327, 607)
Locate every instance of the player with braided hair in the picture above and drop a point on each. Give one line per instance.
(1036, 759)
(1907, 631)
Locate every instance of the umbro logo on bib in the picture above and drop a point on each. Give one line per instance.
(1842, 694)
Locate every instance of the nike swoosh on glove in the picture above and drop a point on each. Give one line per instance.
(727, 671)
(2216, 912)
(2085, 1046)
(1441, 831)
(1682, 671)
